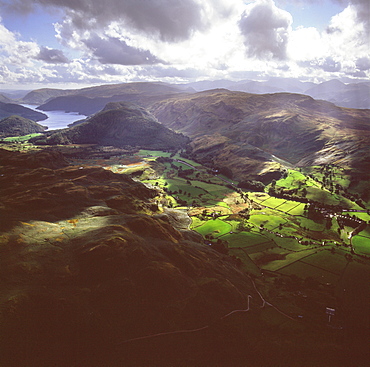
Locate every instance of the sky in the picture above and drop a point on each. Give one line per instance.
(77, 43)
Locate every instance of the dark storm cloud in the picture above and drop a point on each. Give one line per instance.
(171, 20)
(114, 51)
(265, 29)
(51, 56)
(330, 65)
(363, 63)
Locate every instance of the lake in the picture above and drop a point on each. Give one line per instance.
(57, 119)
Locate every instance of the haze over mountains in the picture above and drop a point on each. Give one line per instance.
(351, 95)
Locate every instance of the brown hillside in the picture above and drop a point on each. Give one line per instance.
(245, 131)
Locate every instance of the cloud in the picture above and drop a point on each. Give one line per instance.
(363, 63)
(330, 65)
(266, 30)
(15, 51)
(51, 56)
(362, 9)
(170, 20)
(111, 50)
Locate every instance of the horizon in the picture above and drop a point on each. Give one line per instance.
(67, 45)
(19, 90)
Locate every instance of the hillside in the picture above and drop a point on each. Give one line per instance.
(5, 99)
(95, 273)
(355, 95)
(246, 132)
(121, 124)
(19, 126)
(86, 254)
(100, 95)
(9, 109)
(39, 96)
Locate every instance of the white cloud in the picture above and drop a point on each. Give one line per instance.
(266, 30)
(176, 40)
(334, 52)
(170, 20)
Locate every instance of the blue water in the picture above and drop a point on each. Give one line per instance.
(57, 119)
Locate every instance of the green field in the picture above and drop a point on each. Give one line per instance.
(19, 139)
(244, 239)
(269, 248)
(290, 244)
(292, 181)
(297, 210)
(361, 244)
(304, 270)
(214, 227)
(268, 221)
(312, 225)
(272, 202)
(333, 262)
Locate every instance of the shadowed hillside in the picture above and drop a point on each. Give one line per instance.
(87, 262)
(10, 109)
(18, 126)
(121, 124)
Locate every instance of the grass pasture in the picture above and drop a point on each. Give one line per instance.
(287, 259)
(296, 210)
(214, 227)
(269, 221)
(290, 244)
(332, 262)
(21, 139)
(304, 270)
(273, 202)
(312, 225)
(244, 239)
(292, 181)
(361, 244)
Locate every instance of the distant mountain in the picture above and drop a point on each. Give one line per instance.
(5, 99)
(81, 104)
(14, 94)
(91, 100)
(40, 96)
(121, 124)
(108, 92)
(19, 126)
(9, 109)
(256, 87)
(249, 134)
(210, 84)
(344, 95)
(272, 85)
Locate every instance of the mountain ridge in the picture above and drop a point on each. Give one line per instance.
(121, 124)
(19, 126)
